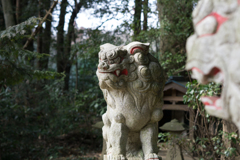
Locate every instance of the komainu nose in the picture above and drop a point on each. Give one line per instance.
(103, 65)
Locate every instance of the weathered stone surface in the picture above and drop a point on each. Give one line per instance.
(132, 83)
(213, 54)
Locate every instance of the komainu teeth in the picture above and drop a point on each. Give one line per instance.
(218, 78)
(196, 74)
(207, 100)
(118, 72)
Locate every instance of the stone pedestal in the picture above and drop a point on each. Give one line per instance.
(106, 157)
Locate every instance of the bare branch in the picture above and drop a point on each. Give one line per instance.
(40, 24)
(106, 21)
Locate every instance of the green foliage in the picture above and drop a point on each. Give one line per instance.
(170, 60)
(163, 136)
(37, 117)
(210, 139)
(16, 63)
(36, 113)
(176, 27)
(20, 29)
(200, 148)
(196, 91)
(230, 151)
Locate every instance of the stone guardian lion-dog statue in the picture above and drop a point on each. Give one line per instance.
(132, 82)
(213, 55)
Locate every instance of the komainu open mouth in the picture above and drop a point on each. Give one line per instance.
(215, 75)
(214, 107)
(118, 72)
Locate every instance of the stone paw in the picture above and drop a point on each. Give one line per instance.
(115, 157)
(152, 156)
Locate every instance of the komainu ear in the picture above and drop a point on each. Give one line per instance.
(136, 47)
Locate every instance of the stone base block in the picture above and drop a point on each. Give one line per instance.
(109, 157)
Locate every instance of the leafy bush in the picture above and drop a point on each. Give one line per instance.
(176, 26)
(209, 142)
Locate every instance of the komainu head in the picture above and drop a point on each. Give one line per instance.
(214, 54)
(121, 67)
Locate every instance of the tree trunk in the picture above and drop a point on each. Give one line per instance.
(145, 15)
(8, 13)
(137, 18)
(18, 11)
(69, 38)
(2, 22)
(39, 37)
(191, 123)
(46, 38)
(76, 86)
(164, 44)
(76, 65)
(60, 37)
(63, 53)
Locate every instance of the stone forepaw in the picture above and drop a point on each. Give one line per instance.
(152, 156)
(115, 157)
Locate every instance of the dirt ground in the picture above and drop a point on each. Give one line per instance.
(163, 153)
(93, 152)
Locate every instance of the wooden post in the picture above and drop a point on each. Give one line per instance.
(191, 123)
